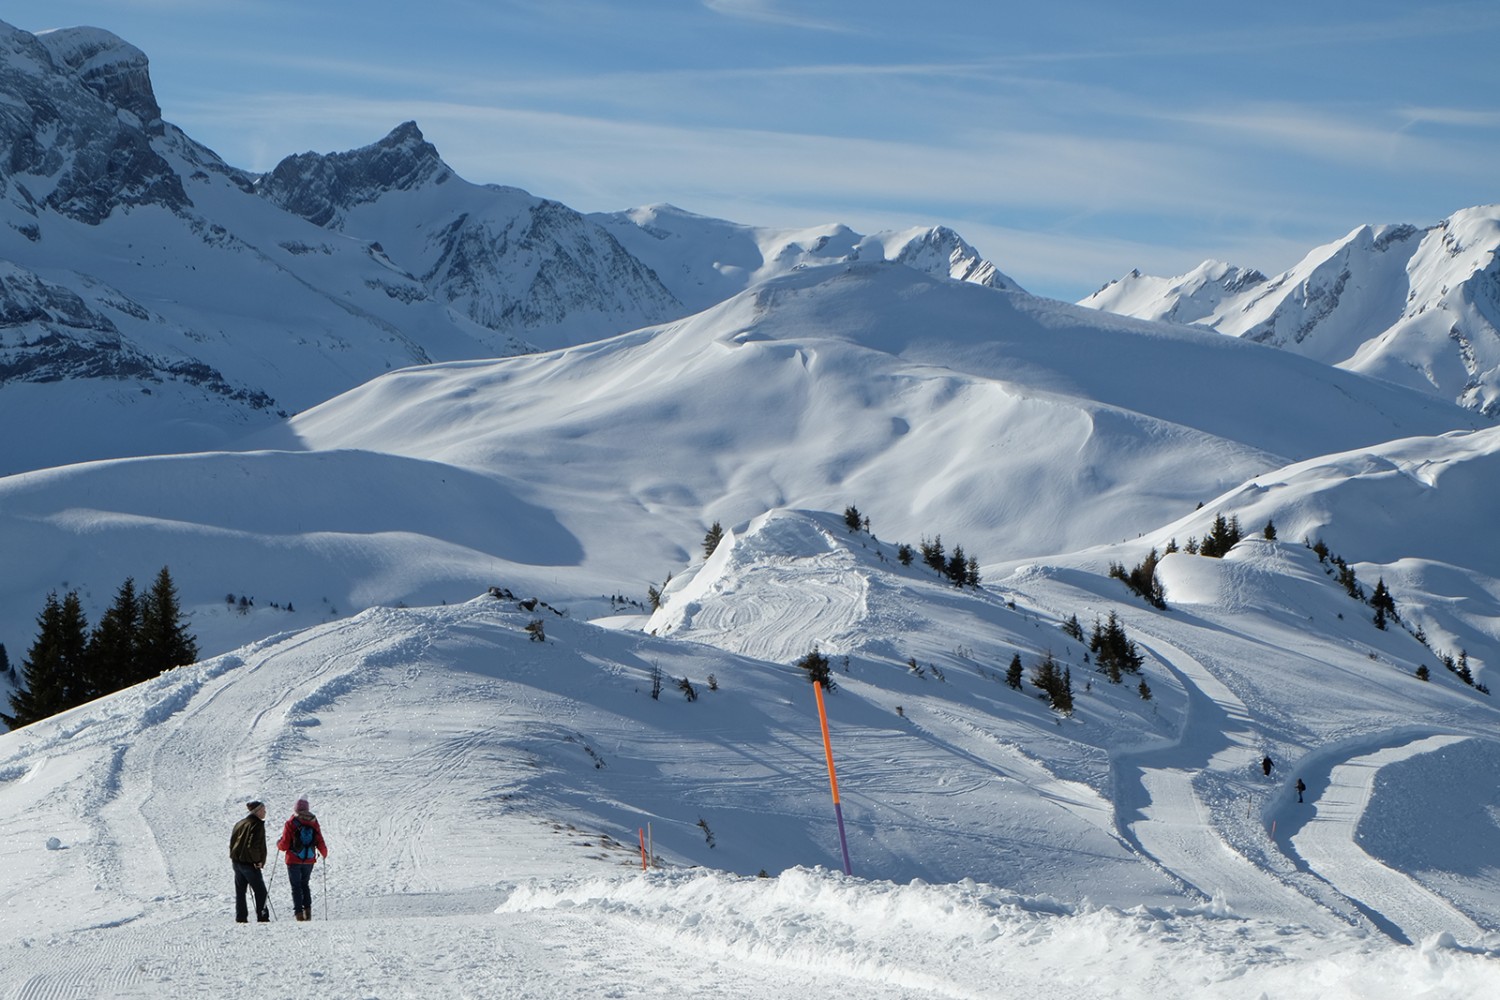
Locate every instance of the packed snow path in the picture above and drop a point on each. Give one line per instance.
(1326, 841)
(1161, 811)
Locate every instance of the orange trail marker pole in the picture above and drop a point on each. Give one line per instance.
(833, 780)
(643, 848)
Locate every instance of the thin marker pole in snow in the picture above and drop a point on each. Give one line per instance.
(643, 847)
(833, 780)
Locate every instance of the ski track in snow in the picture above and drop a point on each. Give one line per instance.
(1160, 810)
(1325, 840)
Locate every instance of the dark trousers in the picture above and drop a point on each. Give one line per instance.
(248, 876)
(300, 876)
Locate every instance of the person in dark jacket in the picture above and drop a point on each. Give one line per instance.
(247, 853)
(1300, 789)
(301, 842)
(1266, 763)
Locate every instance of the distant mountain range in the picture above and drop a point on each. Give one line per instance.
(1419, 307)
(172, 302)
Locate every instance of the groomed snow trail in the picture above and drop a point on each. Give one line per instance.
(1160, 810)
(1327, 842)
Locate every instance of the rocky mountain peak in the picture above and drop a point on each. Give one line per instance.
(322, 187)
(110, 67)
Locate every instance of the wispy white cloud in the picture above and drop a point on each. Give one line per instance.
(774, 13)
(1460, 117)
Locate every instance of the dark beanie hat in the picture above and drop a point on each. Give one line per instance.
(252, 806)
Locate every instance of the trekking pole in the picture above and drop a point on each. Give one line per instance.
(270, 907)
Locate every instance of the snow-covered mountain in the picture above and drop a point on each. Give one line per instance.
(1419, 307)
(162, 300)
(423, 599)
(151, 301)
(705, 261)
(1014, 425)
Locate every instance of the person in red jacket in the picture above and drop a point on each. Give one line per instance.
(301, 841)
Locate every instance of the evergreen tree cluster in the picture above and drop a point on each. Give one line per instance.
(1115, 653)
(1381, 599)
(1056, 683)
(854, 520)
(961, 570)
(1222, 537)
(1460, 669)
(1142, 579)
(137, 638)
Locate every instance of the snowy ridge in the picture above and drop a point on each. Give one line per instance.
(1419, 307)
(704, 260)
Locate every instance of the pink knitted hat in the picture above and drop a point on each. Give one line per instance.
(302, 806)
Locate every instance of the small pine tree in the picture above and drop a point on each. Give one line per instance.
(853, 519)
(958, 567)
(114, 646)
(1269, 531)
(53, 675)
(1055, 682)
(165, 639)
(653, 597)
(971, 577)
(818, 669)
(933, 554)
(904, 554)
(1013, 675)
(688, 691)
(1073, 628)
(1383, 603)
(1144, 689)
(712, 539)
(1423, 674)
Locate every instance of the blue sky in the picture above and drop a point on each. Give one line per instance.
(1070, 142)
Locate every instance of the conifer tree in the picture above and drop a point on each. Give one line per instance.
(712, 539)
(818, 668)
(53, 672)
(113, 654)
(5, 662)
(958, 567)
(1384, 604)
(1115, 652)
(1056, 682)
(1013, 674)
(165, 641)
(853, 520)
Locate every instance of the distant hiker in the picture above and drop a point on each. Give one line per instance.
(1266, 763)
(1300, 789)
(247, 852)
(302, 841)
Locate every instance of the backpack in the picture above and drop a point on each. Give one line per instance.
(304, 841)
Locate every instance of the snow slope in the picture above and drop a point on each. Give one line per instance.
(481, 793)
(938, 407)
